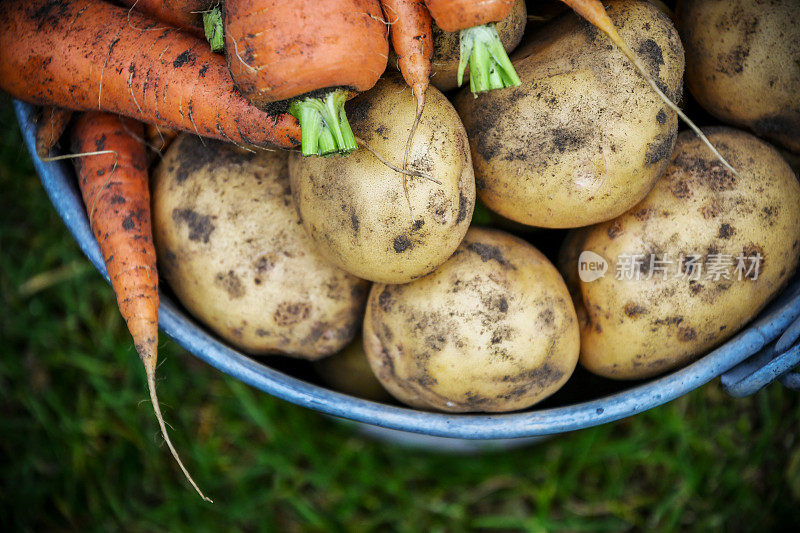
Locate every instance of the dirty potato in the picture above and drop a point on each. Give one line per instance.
(743, 63)
(447, 51)
(232, 248)
(692, 263)
(355, 207)
(348, 371)
(584, 138)
(493, 329)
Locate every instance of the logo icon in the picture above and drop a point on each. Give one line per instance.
(591, 266)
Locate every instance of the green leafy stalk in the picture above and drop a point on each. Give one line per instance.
(489, 65)
(323, 124)
(212, 25)
(481, 216)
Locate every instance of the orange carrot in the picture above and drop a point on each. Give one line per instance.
(595, 13)
(184, 14)
(317, 53)
(50, 125)
(114, 186)
(410, 24)
(202, 18)
(456, 15)
(85, 55)
(481, 49)
(412, 39)
(159, 139)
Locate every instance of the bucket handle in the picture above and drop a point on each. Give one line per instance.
(775, 361)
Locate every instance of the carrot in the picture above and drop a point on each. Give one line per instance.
(50, 125)
(319, 54)
(201, 18)
(481, 49)
(412, 39)
(159, 139)
(456, 15)
(114, 186)
(184, 14)
(85, 55)
(594, 12)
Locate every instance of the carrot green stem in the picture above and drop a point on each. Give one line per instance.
(323, 124)
(310, 128)
(489, 65)
(212, 25)
(481, 216)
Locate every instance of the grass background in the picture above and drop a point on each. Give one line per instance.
(79, 447)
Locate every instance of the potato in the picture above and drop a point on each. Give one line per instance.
(493, 329)
(354, 207)
(482, 216)
(689, 265)
(232, 248)
(348, 371)
(584, 138)
(447, 52)
(742, 63)
(664, 8)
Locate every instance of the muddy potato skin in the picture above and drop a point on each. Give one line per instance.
(493, 329)
(232, 248)
(584, 138)
(348, 371)
(742, 63)
(446, 51)
(354, 207)
(635, 329)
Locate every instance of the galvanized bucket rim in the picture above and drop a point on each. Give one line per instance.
(57, 179)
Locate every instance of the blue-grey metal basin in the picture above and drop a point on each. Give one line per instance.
(58, 180)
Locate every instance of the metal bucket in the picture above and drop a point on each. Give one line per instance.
(747, 362)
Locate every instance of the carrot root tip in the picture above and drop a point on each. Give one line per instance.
(489, 65)
(610, 30)
(324, 128)
(149, 364)
(213, 28)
